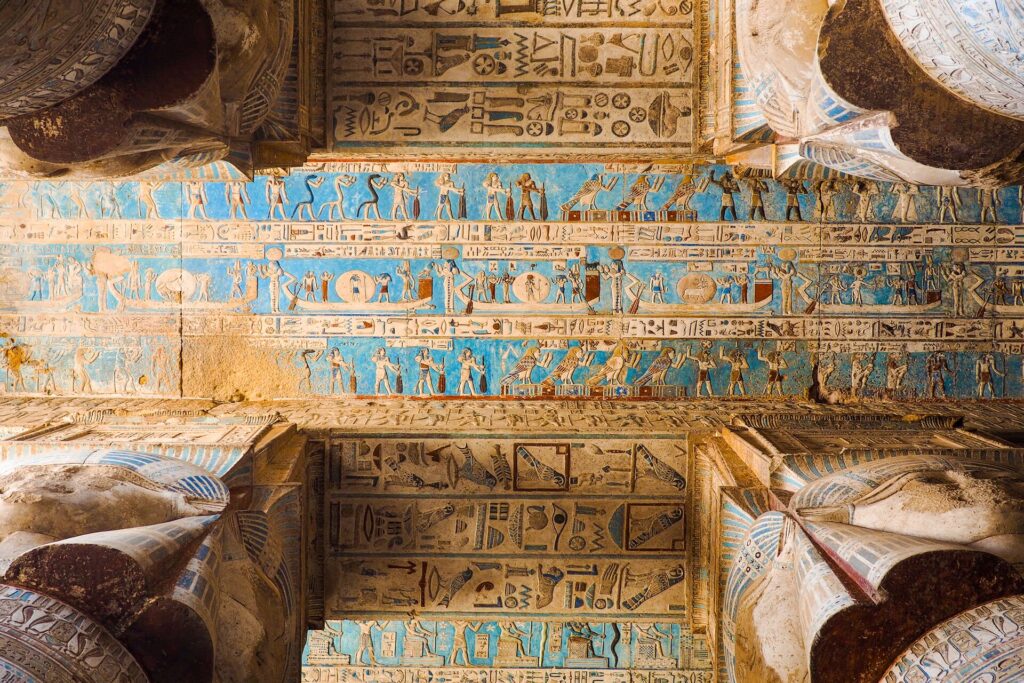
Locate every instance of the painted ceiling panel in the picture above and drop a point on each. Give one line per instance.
(532, 559)
(510, 281)
(492, 216)
(464, 79)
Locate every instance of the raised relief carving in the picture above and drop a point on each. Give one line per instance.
(623, 281)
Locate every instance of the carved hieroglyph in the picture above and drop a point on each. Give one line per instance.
(521, 281)
(42, 638)
(594, 76)
(971, 47)
(522, 558)
(983, 643)
(486, 527)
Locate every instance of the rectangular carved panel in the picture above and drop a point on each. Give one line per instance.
(543, 528)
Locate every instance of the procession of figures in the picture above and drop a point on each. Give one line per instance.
(478, 537)
(528, 281)
(508, 644)
(478, 192)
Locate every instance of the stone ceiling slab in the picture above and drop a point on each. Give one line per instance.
(507, 79)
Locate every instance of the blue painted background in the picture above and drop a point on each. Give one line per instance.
(169, 286)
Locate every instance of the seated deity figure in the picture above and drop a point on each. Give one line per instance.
(863, 562)
(153, 557)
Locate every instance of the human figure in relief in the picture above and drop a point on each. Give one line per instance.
(401, 196)
(277, 197)
(985, 371)
(906, 202)
(383, 364)
(495, 191)
(949, 203)
(195, 197)
(988, 199)
(236, 193)
(147, 201)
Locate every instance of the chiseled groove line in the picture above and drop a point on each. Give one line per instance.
(487, 24)
(484, 557)
(446, 145)
(621, 84)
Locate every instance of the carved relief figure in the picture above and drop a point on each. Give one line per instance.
(336, 207)
(527, 188)
(988, 200)
(865, 191)
(277, 197)
(237, 195)
(949, 203)
(305, 206)
(906, 202)
(729, 188)
(195, 197)
(147, 201)
(383, 364)
(446, 187)
(586, 196)
(757, 188)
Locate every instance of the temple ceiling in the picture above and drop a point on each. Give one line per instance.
(518, 546)
(582, 280)
(639, 227)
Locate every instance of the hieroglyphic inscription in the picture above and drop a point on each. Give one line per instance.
(489, 73)
(539, 528)
(524, 281)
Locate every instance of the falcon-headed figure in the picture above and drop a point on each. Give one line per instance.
(586, 196)
(615, 369)
(638, 193)
(682, 195)
(656, 373)
(573, 359)
(522, 371)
